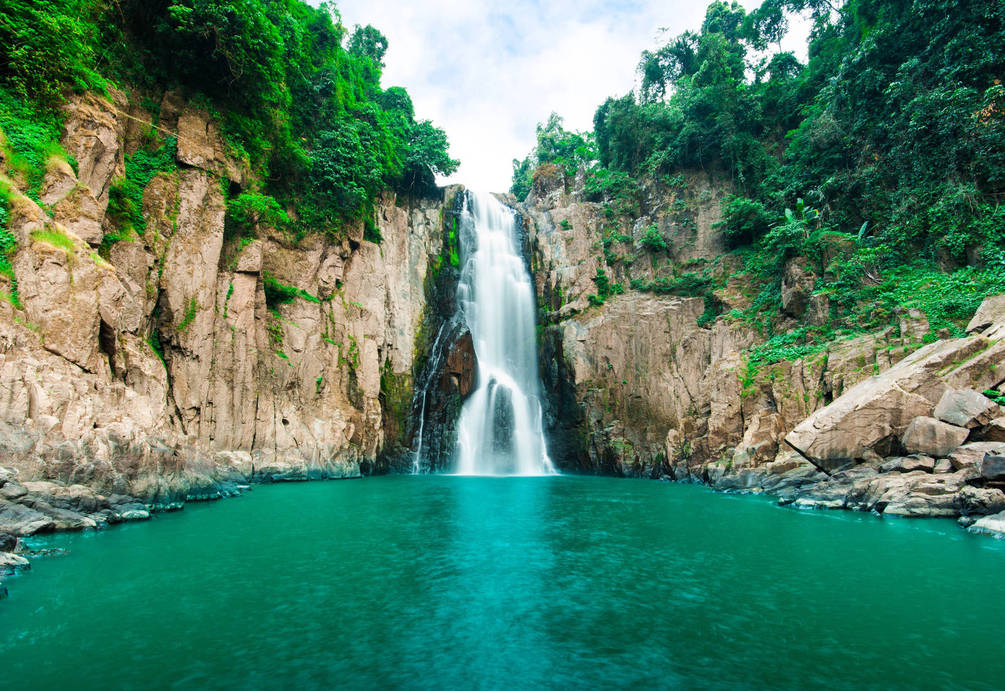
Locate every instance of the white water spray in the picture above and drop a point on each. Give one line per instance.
(500, 430)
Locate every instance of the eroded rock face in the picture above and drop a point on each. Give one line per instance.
(161, 373)
(636, 385)
(881, 407)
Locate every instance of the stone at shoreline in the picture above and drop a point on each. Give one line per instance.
(993, 526)
(926, 435)
(877, 410)
(966, 408)
(7, 542)
(10, 562)
(21, 521)
(981, 501)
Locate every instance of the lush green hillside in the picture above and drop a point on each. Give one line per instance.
(881, 160)
(300, 97)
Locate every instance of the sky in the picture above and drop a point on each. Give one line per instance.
(488, 71)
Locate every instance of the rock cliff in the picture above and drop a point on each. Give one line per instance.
(645, 383)
(150, 362)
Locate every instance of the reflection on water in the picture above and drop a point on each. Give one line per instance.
(562, 582)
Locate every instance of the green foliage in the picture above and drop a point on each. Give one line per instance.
(307, 111)
(791, 345)
(688, 284)
(190, 312)
(47, 46)
(277, 294)
(897, 121)
(653, 240)
(743, 220)
(605, 288)
(125, 196)
(568, 151)
(996, 396)
(948, 300)
(56, 238)
(8, 243)
(29, 137)
(618, 190)
(248, 210)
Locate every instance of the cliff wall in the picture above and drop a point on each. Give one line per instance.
(645, 383)
(314, 386)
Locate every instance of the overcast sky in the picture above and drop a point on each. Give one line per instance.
(487, 71)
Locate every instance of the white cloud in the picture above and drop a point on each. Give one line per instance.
(487, 71)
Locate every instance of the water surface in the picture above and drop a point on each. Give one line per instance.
(453, 582)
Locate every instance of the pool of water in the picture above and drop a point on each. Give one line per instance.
(455, 582)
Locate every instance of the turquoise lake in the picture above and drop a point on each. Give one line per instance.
(459, 582)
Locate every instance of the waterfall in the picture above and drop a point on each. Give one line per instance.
(500, 430)
(432, 370)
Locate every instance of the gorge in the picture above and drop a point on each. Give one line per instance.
(658, 415)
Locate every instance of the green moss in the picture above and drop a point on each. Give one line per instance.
(125, 196)
(190, 312)
(56, 238)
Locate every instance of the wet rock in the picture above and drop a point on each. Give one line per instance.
(21, 520)
(926, 435)
(966, 408)
(7, 542)
(993, 526)
(9, 563)
(460, 368)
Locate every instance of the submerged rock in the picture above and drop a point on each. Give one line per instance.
(993, 526)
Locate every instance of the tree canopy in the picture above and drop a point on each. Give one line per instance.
(297, 94)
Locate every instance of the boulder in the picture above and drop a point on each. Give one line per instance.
(7, 542)
(991, 311)
(909, 464)
(966, 408)
(970, 455)
(993, 468)
(10, 562)
(995, 430)
(879, 409)
(981, 501)
(20, 520)
(797, 284)
(926, 435)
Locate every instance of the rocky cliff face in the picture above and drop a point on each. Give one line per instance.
(316, 386)
(655, 385)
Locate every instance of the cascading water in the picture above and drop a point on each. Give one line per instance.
(499, 431)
